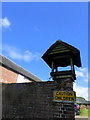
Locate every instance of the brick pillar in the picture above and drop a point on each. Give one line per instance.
(64, 110)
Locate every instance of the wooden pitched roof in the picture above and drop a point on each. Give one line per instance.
(63, 52)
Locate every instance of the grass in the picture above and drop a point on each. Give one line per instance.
(84, 112)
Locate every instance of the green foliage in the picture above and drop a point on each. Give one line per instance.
(81, 98)
(84, 112)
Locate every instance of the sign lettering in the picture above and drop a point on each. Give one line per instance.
(61, 96)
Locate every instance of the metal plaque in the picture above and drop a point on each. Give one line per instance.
(64, 96)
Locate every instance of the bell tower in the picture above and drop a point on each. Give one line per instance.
(59, 55)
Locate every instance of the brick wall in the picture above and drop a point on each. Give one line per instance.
(33, 100)
(7, 76)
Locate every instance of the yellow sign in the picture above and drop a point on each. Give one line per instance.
(61, 96)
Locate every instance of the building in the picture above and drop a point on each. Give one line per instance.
(12, 73)
(81, 101)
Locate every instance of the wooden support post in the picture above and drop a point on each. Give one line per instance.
(56, 69)
(52, 66)
(72, 66)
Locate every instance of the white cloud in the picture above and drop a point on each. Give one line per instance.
(82, 69)
(79, 74)
(4, 22)
(15, 53)
(83, 73)
(81, 91)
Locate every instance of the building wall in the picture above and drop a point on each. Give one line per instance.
(8, 76)
(33, 100)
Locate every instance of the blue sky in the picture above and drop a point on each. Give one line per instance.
(29, 29)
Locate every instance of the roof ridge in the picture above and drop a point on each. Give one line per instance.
(16, 68)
